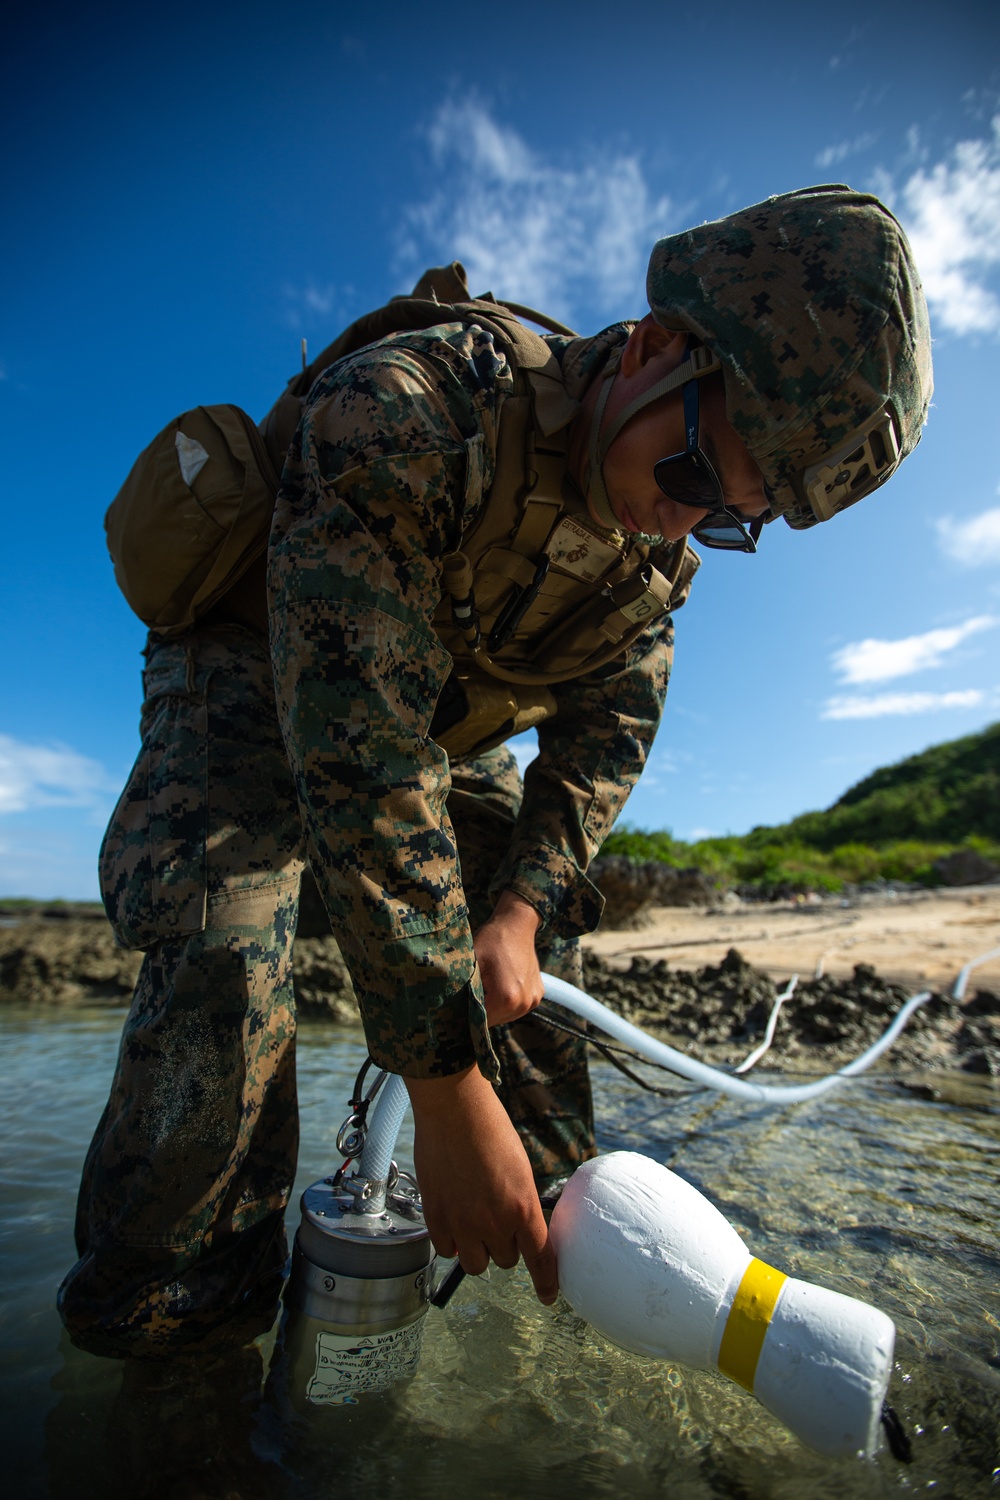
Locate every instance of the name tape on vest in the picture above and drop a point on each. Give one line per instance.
(574, 549)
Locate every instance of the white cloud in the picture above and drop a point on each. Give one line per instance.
(899, 703)
(314, 302)
(34, 776)
(830, 155)
(951, 212)
(531, 231)
(877, 661)
(973, 542)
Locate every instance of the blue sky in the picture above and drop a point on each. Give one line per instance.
(191, 190)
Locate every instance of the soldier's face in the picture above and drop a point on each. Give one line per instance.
(658, 431)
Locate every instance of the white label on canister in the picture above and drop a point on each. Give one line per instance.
(347, 1364)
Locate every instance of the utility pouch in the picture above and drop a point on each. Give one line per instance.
(196, 509)
(475, 713)
(192, 516)
(618, 614)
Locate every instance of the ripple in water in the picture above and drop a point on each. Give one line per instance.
(872, 1190)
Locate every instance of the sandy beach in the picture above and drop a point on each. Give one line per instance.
(706, 976)
(913, 938)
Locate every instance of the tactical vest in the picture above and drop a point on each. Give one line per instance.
(539, 592)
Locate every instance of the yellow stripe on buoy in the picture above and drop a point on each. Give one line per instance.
(749, 1318)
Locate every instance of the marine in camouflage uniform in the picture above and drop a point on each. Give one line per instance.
(391, 465)
(179, 1223)
(180, 1219)
(812, 306)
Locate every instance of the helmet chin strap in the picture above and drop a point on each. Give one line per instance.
(699, 361)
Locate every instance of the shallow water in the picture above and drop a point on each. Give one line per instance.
(872, 1190)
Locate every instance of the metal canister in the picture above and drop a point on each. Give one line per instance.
(356, 1297)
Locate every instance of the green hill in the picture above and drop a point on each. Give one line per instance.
(892, 825)
(948, 793)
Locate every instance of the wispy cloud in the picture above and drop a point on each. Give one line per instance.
(951, 211)
(34, 776)
(831, 155)
(562, 237)
(318, 302)
(882, 704)
(661, 762)
(878, 661)
(981, 104)
(973, 542)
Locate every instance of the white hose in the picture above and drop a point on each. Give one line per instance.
(392, 1099)
(772, 1021)
(383, 1128)
(958, 993)
(714, 1078)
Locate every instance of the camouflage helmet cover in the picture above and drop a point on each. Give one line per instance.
(813, 304)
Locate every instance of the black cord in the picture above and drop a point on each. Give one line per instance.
(359, 1102)
(612, 1052)
(607, 1048)
(357, 1097)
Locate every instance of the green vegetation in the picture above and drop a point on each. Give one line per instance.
(892, 826)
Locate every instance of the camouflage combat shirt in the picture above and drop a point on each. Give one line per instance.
(392, 461)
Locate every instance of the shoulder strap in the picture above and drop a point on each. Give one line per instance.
(440, 296)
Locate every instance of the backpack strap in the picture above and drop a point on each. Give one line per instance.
(440, 296)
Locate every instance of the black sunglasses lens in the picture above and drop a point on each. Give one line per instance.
(724, 531)
(684, 479)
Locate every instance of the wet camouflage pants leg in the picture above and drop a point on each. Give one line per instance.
(545, 1085)
(180, 1216)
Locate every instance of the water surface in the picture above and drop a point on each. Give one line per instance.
(875, 1190)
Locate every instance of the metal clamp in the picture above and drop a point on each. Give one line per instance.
(351, 1135)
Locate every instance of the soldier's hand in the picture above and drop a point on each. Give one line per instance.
(508, 964)
(479, 1197)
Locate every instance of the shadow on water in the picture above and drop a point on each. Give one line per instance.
(876, 1191)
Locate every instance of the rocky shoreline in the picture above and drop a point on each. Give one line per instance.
(720, 1012)
(716, 1011)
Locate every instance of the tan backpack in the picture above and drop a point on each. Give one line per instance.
(195, 510)
(192, 515)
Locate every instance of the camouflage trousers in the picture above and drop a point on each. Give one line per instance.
(180, 1219)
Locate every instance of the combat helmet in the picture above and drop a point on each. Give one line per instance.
(813, 305)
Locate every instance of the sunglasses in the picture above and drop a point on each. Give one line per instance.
(690, 479)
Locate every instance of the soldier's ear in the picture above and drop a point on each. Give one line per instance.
(648, 341)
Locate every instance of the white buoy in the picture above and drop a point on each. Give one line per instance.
(657, 1269)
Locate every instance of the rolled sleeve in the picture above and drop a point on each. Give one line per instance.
(590, 756)
(354, 577)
